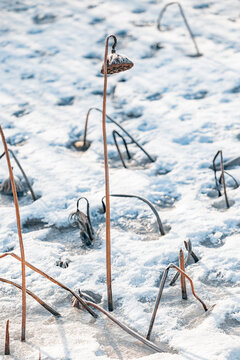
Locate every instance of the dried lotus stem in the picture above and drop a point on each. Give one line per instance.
(112, 64)
(23, 173)
(222, 177)
(54, 281)
(191, 254)
(86, 143)
(160, 226)
(185, 21)
(131, 332)
(7, 340)
(41, 302)
(78, 218)
(23, 330)
(161, 287)
(182, 277)
(115, 134)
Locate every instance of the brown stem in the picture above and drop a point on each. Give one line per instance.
(23, 332)
(54, 281)
(161, 287)
(126, 328)
(7, 341)
(108, 234)
(182, 277)
(41, 302)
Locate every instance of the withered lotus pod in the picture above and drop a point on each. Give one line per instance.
(117, 63)
(6, 187)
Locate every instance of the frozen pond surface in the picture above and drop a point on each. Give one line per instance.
(182, 109)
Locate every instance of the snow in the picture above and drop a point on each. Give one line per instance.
(182, 109)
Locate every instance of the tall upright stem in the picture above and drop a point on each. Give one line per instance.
(23, 332)
(182, 277)
(108, 235)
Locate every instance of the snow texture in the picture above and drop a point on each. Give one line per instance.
(182, 109)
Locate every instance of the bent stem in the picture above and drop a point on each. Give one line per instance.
(184, 19)
(23, 330)
(160, 226)
(222, 176)
(115, 134)
(32, 267)
(41, 302)
(83, 221)
(120, 127)
(23, 173)
(161, 287)
(126, 328)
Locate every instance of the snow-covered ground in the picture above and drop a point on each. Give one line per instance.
(183, 110)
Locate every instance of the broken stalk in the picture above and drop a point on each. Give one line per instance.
(182, 277)
(7, 340)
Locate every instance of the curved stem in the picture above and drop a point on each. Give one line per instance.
(88, 211)
(41, 302)
(232, 177)
(120, 127)
(184, 19)
(108, 235)
(115, 134)
(126, 328)
(222, 176)
(160, 226)
(161, 287)
(23, 331)
(215, 173)
(23, 173)
(54, 281)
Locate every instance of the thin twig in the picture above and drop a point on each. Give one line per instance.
(160, 226)
(115, 134)
(222, 176)
(184, 19)
(54, 281)
(23, 331)
(41, 302)
(161, 287)
(7, 340)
